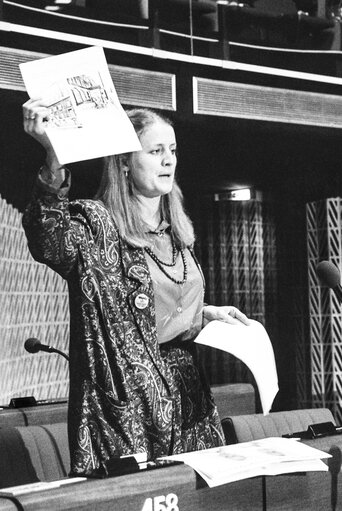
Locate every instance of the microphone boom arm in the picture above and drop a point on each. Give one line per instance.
(33, 345)
(55, 350)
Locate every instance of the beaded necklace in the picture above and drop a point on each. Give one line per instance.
(161, 264)
(174, 254)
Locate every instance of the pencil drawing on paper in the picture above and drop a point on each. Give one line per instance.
(75, 95)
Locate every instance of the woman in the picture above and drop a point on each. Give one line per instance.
(136, 300)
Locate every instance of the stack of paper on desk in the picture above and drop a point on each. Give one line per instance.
(268, 456)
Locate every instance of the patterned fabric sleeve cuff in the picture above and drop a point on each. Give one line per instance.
(51, 183)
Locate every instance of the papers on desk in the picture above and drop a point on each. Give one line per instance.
(268, 456)
(39, 486)
(86, 119)
(250, 344)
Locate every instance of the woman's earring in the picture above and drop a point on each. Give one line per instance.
(126, 173)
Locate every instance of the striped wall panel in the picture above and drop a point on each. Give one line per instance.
(324, 241)
(231, 99)
(238, 256)
(134, 86)
(33, 303)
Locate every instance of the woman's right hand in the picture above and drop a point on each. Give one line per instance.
(35, 115)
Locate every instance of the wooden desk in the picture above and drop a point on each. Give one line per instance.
(174, 488)
(178, 488)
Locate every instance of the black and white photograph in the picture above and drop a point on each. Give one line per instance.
(170, 255)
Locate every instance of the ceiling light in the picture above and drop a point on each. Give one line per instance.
(241, 194)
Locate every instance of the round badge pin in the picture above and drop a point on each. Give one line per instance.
(141, 301)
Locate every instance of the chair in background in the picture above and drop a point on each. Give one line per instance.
(245, 428)
(274, 23)
(120, 11)
(301, 490)
(234, 399)
(33, 453)
(47, 413)
(184, 16)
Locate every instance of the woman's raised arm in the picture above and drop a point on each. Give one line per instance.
(52, 236)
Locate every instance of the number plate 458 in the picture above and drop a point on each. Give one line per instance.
(161, 503)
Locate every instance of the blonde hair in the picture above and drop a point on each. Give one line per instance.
(118, 193)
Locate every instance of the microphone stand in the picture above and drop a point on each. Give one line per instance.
(334, 465)
(55, 350)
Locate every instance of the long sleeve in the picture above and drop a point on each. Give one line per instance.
(52, 235)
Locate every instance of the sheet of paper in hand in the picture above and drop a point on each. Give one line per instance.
(250, 344)
(86, 119)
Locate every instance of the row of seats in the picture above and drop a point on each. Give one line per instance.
(279, 23)
(34, 442)
(38, 451)
(33, 453)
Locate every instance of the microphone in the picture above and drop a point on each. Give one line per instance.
(334, 464)
(33, 345)
(329, 275)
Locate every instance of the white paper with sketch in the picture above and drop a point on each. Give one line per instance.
(86, 118)
(250, 344)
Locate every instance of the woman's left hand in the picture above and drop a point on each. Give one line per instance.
(225, 313)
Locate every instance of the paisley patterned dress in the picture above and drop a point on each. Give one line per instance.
(128, 394)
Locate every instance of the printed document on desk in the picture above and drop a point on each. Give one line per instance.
(86, 119)
(250, 344)
(268, 456)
